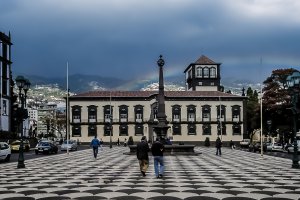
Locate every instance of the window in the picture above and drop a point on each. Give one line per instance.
(123, 111)
(200, 83)
(76, 131)
(191, 113)
(223, 129)
(123, 130)
(213, 72)
(190, 74)
(199, 71)
(108, 113)
(1, 51)
(92, 113)
(8, 52)
(138, 110)
(176, 129)
(191, 129)
(154, 111)
(139, 130)
(205, 72)
(236, 113)
(108, 130)
(176, 113)
(92, 130)
(4, 87)
(4, 112)
(206, 113)
(223, 112)
(206, 129)
(76, 114)
(236, 129)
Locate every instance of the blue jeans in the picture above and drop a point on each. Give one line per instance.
(218, 151)
(95, 150)
(159, 160)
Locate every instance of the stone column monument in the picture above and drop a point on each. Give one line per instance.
(161, 128)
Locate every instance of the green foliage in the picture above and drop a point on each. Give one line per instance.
(207, 142)
(253, 110)
(277, 102)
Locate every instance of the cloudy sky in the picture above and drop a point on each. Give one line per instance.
(124, 38)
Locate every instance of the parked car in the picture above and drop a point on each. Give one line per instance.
(5, 151)
(255, 146)
(268, 146)
(290, 149)
(15, 145)
(245, 143)
(69, 144)
(277, 147)
(46, 147)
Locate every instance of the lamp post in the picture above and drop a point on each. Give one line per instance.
(294, 86)
(23, 85)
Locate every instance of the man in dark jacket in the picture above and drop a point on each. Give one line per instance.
(142, 150)
(158, 153)
(218, 146)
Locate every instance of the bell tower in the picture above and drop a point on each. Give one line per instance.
(203, 75)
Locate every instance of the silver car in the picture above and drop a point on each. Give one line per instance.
(69, 144)
(5, 151)
(290, 149)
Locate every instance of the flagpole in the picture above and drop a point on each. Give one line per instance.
(261, 115)
(67, 108)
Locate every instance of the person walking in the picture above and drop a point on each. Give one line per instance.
(142, 150)
(101, 144)
(232, 144)
(95, 143)
(157, 150)
(218, 146)
(125, 142)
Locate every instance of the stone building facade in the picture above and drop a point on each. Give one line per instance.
(6, 83)
(199, 112)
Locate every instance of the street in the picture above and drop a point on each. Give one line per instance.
(31, 154)
(238, 175)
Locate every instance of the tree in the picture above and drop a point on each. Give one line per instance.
(277, 102)
(253, 111)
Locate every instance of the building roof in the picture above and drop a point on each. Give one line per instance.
(147, 94)
(204, 60)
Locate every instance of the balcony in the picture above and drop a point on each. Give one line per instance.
(176, 120)
(206, 119)
(123, 120)
(236, 119)
(191, 119)
(76, 120)
(92, 120)
(139, 120)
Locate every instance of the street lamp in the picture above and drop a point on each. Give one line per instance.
(294, 86)
(23, 85)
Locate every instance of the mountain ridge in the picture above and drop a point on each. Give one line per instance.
(81, 83)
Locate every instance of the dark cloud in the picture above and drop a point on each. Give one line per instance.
(123, 38)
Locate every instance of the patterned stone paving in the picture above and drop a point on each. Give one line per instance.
(236, 175)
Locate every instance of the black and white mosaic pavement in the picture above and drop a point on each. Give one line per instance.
(237, 175)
